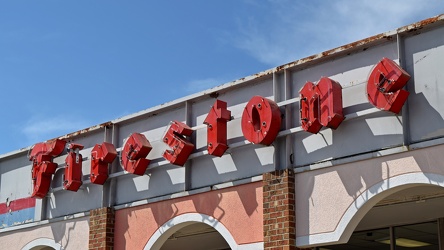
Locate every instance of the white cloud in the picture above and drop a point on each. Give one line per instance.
(290, 30)
(39, 128)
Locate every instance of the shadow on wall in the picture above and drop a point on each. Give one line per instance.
(202, 172)
(135, 187)
(358, 179)
(249, 200)
(244, 162)
(221, 206)
(424, 54)
(211, 203)
(367, 182)
(62, 234)
(353, 137)
(426, 122)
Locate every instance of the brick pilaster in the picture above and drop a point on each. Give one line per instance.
(101, 229)
(279, 210)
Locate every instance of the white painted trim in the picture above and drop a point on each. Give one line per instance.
(251, 246)
(42, 242)
(364, 202)
(166, 230)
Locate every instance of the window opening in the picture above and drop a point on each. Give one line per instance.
(421, 236)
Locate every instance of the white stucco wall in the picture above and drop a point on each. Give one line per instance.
(72, 234)
(330, 202)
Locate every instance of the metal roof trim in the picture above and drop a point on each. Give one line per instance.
(354, 46)
(386, 36)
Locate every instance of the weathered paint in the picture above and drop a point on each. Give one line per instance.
(17, 217)
(17, 212)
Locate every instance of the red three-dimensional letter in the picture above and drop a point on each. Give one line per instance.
(73, 169)
(384, 86)
(136, 148)
(321, 105)
(101, 156)
(216, 121)
(261, 120)
(43, 168)
(309, 108)
(181, 148)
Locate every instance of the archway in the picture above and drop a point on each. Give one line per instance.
(42, 248)
(364, 202)
(193, 229)
(42, 244)
(407, 211)
(383, 192)
(197, 236)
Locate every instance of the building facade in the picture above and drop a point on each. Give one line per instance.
(339, 150)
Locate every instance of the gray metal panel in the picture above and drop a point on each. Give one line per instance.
(145, 123)
(157, 182)
(63, 203)
(364, 134)
(348, 70)
(15, 178)
(355, 136)
(247, 161)
(424, 56)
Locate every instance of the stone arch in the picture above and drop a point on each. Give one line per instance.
(367, 200)
(166, 230)
(42, 244)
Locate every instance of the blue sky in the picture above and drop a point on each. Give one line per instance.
(68, 65)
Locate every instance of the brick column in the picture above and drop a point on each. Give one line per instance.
(101, 229)
(279, 210)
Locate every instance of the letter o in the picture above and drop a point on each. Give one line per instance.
(261, 120)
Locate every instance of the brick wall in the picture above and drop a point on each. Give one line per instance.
(101, 229)
(279, 210)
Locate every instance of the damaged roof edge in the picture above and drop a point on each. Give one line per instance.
(365, 42)
(67, 136)
(379, 38)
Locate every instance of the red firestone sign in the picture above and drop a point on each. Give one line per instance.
(320, 105)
